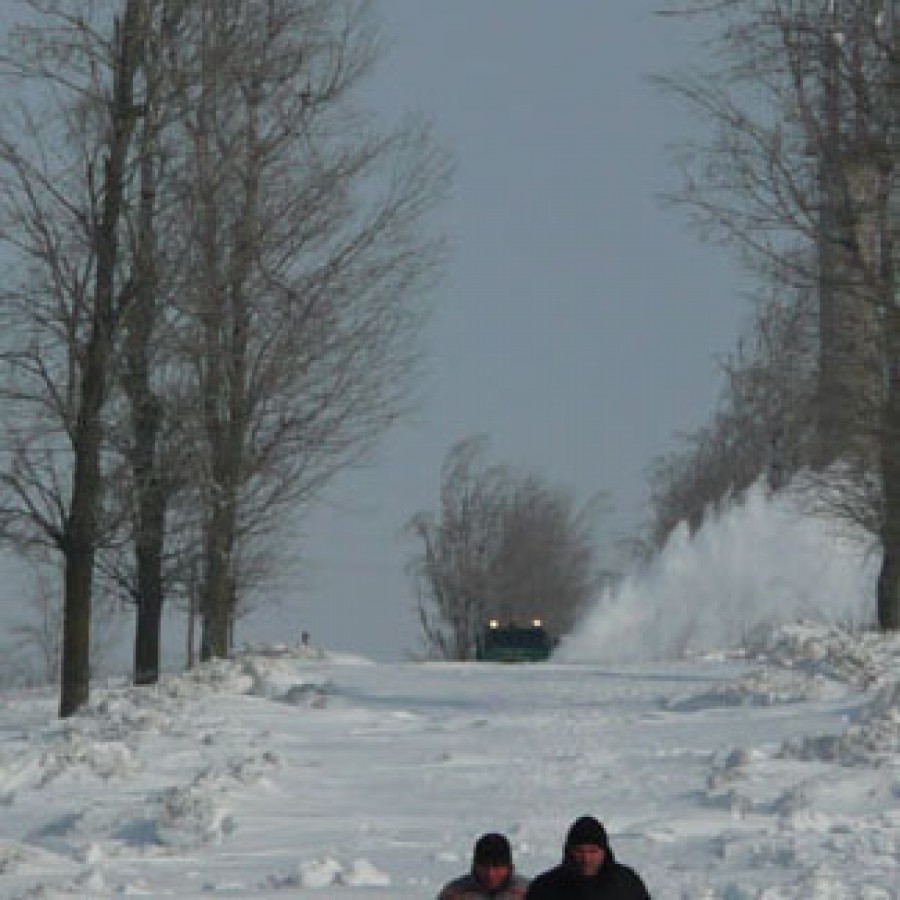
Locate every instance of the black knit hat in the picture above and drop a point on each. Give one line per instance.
(586, 830)
(492, 849)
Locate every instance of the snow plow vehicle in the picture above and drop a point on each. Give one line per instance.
(512, 643)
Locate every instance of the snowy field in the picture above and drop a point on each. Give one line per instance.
(766, 770)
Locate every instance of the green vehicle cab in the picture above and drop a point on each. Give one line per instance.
(514, 643)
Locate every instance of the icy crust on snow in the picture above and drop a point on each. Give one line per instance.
(859, 657)
(271, 673)
(110, 743)
(802, 662)
(806, 662)
(328, 872)
(106, 743)
(873, 739)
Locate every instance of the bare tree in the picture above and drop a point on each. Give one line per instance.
(309, 254)
(503, 545)
(799, 175)
(64, 170)
(764, 424)
(452, 570)
(55, 171)
(80, 535)
(546, 563)
(141, 367)
(223, 267)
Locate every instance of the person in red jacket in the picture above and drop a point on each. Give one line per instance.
(492, 876)
(588, 871)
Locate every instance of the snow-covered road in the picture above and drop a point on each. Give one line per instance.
(283, 773)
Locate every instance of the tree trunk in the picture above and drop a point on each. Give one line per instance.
(889, 578)
(834, 394)
(214, 601)
(146, 408)
(217, 588)
(149, 552)
(149, 623)
(193, 611)
(75, 669)
(226, 334)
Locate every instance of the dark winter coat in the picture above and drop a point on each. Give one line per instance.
(564, 882)
(469, 888)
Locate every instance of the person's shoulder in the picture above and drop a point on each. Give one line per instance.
(629, 876)
(466, 888)
(457, 889)
(543, 882)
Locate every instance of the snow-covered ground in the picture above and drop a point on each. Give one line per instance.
(766, 771)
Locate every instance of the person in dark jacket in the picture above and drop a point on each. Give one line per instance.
(588, 871)
(492, 876)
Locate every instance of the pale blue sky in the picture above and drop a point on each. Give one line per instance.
(579, 323)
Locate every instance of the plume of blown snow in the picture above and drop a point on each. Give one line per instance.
(759, 562)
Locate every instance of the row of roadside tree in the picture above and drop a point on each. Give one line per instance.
(215, 264)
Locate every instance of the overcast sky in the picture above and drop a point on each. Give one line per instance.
(579, 323)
